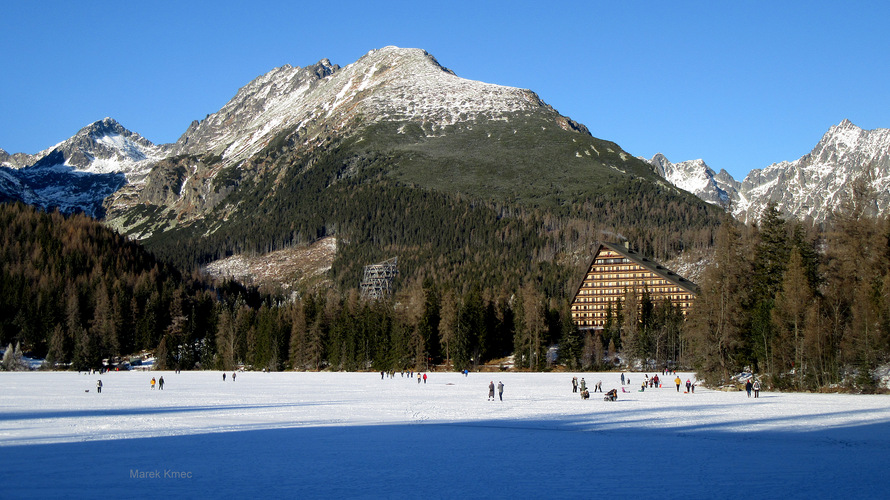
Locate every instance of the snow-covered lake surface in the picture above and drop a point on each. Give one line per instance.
(336, 435)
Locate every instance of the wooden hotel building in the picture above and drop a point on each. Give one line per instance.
(615, 270)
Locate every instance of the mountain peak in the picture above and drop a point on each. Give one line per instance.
(845, 124)
(390, 84)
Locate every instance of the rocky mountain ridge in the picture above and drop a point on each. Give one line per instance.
(77, 174)
(810, 187)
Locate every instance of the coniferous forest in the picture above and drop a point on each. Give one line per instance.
(805, 307)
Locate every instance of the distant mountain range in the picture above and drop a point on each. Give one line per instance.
(810, 187)
(396, 144)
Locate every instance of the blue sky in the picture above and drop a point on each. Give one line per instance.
(738, 84)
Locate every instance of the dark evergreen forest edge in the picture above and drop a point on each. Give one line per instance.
(804, 307)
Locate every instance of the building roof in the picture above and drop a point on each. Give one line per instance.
(650, 265)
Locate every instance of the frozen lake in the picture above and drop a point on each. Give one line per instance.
(331, 435)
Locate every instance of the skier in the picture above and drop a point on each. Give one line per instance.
(756, 388)
(153, 382)
(161, 383)
(678, 382)
(99, 386)
(490, 390)
(500, 390)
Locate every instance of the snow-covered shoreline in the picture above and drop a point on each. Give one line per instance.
(357, 435)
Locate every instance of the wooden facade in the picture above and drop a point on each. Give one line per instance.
(614, 271)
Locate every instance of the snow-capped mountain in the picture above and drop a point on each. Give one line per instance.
(698, 178)
(388, 84)
(809, 187)
(79, 173)
(301, 111)
(816, 184)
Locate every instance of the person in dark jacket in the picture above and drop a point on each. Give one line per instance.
(748, 387)
(490, 390)
(500, 390)
(99, 386)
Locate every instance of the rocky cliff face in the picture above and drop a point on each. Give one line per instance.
(697, 177)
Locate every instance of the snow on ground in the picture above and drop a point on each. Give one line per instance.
(333, 435)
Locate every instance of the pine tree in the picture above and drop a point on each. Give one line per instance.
(8, 363)
(225, 341)
(792, 303)
(716, 319)
(448, 323)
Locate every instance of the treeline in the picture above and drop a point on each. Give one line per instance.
(80, 295)
(75, 292)
(803, 306)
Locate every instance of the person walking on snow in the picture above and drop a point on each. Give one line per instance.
(622, 379)
(500, 390)
(583, 385)
(490, 390)
(598, 387)
(574, 384)
(748, 387)
(224, 377)
(99, 386)
(161, 383)
(233, 376)
(424, 378)
(153, 382)
(756, 388)
(678, 382)
(688, 385)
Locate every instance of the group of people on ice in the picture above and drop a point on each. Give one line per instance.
(491, 390)
(421, 377)
(648, 382)
(752, 384)
(582, 385)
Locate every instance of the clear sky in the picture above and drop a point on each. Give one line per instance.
(739, 84)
